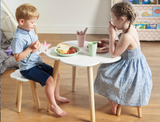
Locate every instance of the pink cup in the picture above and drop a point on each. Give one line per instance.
(81, 39)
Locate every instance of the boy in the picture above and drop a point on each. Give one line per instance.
(25, 45)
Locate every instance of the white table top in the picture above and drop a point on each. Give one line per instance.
(82, 59)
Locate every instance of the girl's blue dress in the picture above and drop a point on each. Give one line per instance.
(127, 81)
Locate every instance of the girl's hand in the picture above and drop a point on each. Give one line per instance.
(112, 30)
(105, 40)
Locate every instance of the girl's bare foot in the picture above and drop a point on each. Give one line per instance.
(113, 106)
(62, 99)
(57, 110)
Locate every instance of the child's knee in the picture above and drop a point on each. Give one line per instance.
(49, 80)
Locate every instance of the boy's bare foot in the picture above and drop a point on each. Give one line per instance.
(57, 110)
(62, 99)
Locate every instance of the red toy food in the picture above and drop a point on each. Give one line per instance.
(99, 44)
(71, 50)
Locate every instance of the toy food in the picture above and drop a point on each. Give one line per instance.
(99, 44)
(66, 48)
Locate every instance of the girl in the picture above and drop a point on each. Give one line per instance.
(129, 80)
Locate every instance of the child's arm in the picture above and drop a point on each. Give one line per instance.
(25, 53)
(106, 41)
(112, 37)
(115, 48)
(22, 55)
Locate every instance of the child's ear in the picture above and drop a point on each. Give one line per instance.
(21, 21)
(122, 18)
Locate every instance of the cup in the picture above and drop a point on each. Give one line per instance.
(92, 48)
(81, 39)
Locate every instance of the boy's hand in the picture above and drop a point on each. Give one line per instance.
(31, 46)
(112, 30)
(37, 46)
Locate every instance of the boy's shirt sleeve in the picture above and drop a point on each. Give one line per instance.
(17, 45)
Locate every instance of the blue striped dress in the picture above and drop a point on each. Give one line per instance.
(127, 81)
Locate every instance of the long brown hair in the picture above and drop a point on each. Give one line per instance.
(124, 9)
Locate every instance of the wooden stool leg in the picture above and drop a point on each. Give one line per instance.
(17, 93)
(139, 111)
(36, 94)
(32, 88)
(19, 97)
(119, 110)
(73, 78)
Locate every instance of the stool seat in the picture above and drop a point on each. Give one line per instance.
(20, 80)
(17, 75)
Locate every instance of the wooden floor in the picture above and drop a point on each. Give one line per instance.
(78, 108)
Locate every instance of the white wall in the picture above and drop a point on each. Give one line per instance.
(67, 16)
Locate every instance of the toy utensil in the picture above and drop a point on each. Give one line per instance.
(29, 57)
(81, 33)
(85, 30)
(77, 32)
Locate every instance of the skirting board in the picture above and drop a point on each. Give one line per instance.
(71, 30)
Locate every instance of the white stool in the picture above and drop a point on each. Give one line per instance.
(20, 79)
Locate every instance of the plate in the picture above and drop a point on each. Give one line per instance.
(102, 51)
(67, 55)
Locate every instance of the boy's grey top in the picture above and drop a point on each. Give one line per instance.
(20, 42)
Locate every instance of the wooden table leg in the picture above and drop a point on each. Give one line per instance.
(73, 78)
(91, 93)
(55, 72)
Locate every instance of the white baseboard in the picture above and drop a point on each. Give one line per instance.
(71, 30)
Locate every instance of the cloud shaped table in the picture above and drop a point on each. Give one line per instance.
(82, 59)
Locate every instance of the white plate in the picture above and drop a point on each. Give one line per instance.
(67, 55)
